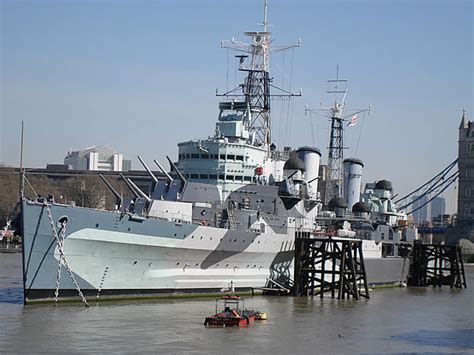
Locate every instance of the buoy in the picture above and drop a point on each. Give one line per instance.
(261, 316)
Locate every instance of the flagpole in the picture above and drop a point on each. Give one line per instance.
(22, 178)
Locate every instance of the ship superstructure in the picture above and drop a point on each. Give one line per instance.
(241, 151)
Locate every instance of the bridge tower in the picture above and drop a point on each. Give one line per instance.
(466, 172)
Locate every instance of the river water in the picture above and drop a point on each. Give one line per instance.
(396, 320)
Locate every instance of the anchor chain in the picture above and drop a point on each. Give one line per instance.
(62, 257)
(60, 242)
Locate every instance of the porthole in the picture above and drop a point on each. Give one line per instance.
(128, 229)
(177, 263)
(201, 237)
(135, 262)
(97, 225)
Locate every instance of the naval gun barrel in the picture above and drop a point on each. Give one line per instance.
(116, 194)
(181, 176)
(148, 169)
(139, 192)
(168, 176)
(128, 184)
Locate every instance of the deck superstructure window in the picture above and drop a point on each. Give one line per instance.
(238, 178)
(222, 156)
(204, 156)
(221, 177)
(247, 178)
(214, 156)
(194, 156)
(203, 176)
(229, 177)
(230, 156)
(212, 177)
(239, 157)
(194, 176)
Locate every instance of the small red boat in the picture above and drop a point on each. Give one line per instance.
(232, 314)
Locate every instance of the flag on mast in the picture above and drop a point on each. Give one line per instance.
(353, 121)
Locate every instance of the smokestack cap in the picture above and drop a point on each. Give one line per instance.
(309, 149)
(354, 160)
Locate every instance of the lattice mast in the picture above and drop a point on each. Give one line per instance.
(257, 83)
(337, 114)
(334, 184)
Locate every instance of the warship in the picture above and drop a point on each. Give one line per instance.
(225, 215)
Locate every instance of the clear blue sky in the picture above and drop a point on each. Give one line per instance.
(140, 76)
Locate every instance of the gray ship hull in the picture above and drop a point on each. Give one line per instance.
(386, 271)
(119, 255)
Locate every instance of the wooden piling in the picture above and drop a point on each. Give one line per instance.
(326, 264)
(437, 265)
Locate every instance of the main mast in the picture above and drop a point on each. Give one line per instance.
(256, 86)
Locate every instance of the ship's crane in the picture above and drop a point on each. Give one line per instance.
(431, 189)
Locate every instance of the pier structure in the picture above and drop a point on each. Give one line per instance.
(332, 265)
(437, 265)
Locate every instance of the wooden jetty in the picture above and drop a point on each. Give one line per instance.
(332, 265)
(437, 265)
